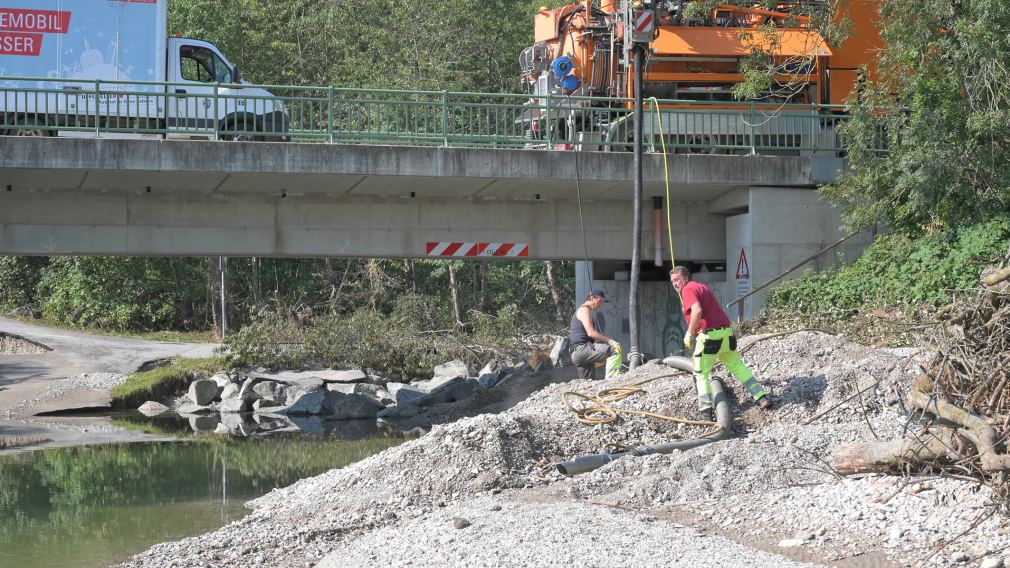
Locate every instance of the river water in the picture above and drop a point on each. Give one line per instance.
(91, 506)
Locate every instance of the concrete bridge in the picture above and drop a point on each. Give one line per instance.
(158, 197)
(738, 219)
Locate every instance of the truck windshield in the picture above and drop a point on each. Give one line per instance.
(203, 65)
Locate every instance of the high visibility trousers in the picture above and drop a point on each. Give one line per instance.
(720, 344)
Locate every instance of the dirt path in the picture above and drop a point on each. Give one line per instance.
(28, 381)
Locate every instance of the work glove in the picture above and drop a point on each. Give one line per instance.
(615, 344)
(689, 341)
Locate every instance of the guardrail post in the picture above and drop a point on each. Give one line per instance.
(445, 118)
(217, 125)
(752, 120)
(98, 90)
(547, 122)
(329, 114)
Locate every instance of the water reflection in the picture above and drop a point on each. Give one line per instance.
(89, 506)
(246, 424)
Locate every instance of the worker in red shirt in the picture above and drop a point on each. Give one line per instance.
(709, 337)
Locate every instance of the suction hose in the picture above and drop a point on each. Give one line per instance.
(723, 418)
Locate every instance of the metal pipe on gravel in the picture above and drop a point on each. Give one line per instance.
(723, 418)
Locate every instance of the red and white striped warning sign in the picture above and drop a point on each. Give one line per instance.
(501, 250)
(644, 21)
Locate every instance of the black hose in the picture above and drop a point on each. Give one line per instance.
(634, 356)
(723, 417)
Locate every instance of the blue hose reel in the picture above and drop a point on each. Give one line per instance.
(562, 68)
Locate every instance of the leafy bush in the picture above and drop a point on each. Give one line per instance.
(271, 341)
(19, 278)
(396, 344)
(120, 293)
(901, 271)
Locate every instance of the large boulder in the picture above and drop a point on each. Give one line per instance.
(560, 357)
(308, 403)
(233, 405)
(222, 380)
(458, 389)
(271, 390)
(294, 391)
(264, 405)
(489, 375)
(351, 376)
(247, 393)
(348, 388)
(451, 369)
(152, 408)
(404, 394)
(307, 384)
(340, 406)
(408, 411)
(455, 390)
(203, 391)
(433, 384)
(230, 391)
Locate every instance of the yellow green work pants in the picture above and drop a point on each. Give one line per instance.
(720, 344)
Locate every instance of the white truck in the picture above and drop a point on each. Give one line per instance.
(77, 67)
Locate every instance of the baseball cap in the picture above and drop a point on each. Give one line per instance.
(599, 293)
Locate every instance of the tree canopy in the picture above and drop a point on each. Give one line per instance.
(928, 137)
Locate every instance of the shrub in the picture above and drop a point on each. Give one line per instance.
(901, 271)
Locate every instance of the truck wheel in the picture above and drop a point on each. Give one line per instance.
(255, 127)
(24, 128)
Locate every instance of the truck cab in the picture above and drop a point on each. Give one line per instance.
(205, 89)
(110, 69)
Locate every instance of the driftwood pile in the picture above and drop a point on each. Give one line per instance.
(963, 397)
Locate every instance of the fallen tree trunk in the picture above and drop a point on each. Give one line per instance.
(978, 431)
(940, 444)
(879, 457)
(997, 277)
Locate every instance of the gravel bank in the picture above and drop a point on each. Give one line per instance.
(764, 498)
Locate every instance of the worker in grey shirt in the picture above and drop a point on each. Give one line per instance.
(586, 341)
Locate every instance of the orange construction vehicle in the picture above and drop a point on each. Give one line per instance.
(693, 60)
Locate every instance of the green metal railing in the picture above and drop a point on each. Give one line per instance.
(439, 118)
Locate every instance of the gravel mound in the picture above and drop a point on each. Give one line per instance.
(768, 489)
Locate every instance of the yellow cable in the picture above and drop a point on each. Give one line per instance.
(666, 178)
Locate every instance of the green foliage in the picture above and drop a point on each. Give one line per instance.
(941, 108)
(162, 381)
(121, 293)
(19, 278)
(403, 342)
(900, 271)
(463, 45)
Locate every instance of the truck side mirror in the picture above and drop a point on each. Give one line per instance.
(235, 76)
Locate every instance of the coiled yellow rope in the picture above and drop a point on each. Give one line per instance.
(596, 409)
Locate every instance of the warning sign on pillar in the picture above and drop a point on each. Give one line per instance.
(742, 274)
(742, 268)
